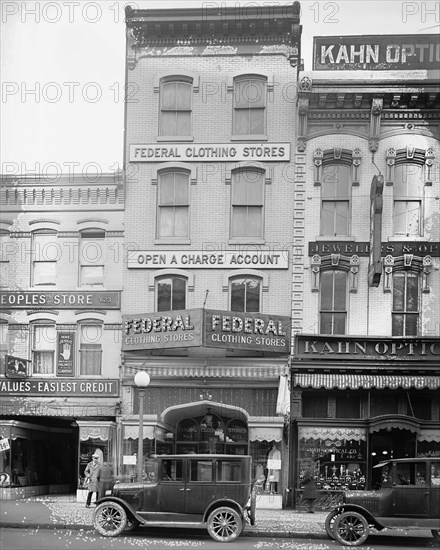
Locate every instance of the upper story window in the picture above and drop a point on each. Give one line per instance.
(247, 204)
(92, 258)
(245, 293)
(4, 259)
(408, 193)
(90, 349)
(335, 199)
(333, 302)
(173, 204)
(171, 293)
(45, 252)
(175, 107)
(250, 106)
(44, 343)
(3, 346)
(406, 292)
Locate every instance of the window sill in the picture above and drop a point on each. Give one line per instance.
(335, 238)
(406, 238)
(247, 241)
(172, 241)
(250, 137)
(174, 138)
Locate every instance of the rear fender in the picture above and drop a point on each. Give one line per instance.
(131, 514)
(222, 502)
(372, 521)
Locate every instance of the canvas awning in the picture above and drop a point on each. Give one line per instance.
(332, 434)
(429, 434)
(365, 381)
(283, 398)
(265, 433)
(132, 431)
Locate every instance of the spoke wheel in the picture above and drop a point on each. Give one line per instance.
(436, 533)
(330, 523)
(350, 529)
(225, 524)
(109, 519)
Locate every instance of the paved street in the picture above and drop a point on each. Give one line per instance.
(155, 539)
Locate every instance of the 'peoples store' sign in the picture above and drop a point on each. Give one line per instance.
(209, 328)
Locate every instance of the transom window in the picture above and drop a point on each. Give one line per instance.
(335, 199)
(245, 294)
(247, 202)
(408, 188)
(175, 107)
(249, 105)
(173, 205)
(171, 293)
(405, 314)
(333, 299)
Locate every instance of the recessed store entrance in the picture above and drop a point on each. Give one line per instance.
(390, 443)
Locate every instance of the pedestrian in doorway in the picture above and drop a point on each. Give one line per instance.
(309, 493)
(93, 474)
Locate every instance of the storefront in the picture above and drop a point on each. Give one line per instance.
(356, 409)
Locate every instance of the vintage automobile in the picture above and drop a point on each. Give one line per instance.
(407, 497)
(206, 490)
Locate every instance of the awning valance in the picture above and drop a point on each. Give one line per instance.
(265, 433)
(398, 422)
(365, 381)
(94, 432)
(217, 371)
(432, 434)
(132, 432)
(333, 434)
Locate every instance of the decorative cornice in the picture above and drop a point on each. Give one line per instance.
(91, 195)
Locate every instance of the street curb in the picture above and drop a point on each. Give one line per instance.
(84, 527)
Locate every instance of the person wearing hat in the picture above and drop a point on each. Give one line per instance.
(93, 475)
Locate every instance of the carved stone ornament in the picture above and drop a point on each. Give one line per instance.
(303, 105)
(377, 106)
(301, 144)
(305, 84)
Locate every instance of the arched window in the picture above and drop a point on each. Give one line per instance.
(247, 203)
(92, 257)
(173, 204)
(90, 348)
(175, 106)
(333, 302)
(45, 253)
(406, 303)
(171, 293)
(44, 343)
(408, 193)
(335, 199)
(250, 105)
(245, 294)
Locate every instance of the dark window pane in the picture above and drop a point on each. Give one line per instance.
(341, 218)
(347, 406)
(164, 295)
(326, 324)
(314, 406)
(327, 290)
(253, 296)
(412, 296)
(245, 295)
(339, 323)
(237, 295)
(397, 322)
(328, 217)
(411, 325)
(179, 293)
(398, 291)
(340, 290)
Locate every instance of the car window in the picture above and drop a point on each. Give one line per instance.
(200, 470)
(413, 473)
(435, 473)
(228, 470)
(172, 470)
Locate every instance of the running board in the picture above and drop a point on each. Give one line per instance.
(194, 524)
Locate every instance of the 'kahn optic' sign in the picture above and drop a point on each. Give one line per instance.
(264, 259)
(210, 152)
(376, 53)
(61, 299)
(209, 328)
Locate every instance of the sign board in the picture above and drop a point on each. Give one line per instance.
(16, 367)
(4, 444)
(67, 387)
(392, 248)
(376, 52)
(66, 354)
(209, 328)
(201, 259)
(210, 152)
(29, 299)
(376, 205)
(129, 460)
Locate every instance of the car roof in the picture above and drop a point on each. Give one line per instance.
(204, 456)
(406, 460)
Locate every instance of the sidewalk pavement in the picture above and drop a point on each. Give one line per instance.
(64, 512)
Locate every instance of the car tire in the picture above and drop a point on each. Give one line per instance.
(330, 523)
(131, 525)
(436, 533)
(351, 529)
(110, 519)
(224, 524)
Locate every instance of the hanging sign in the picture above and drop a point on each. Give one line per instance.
(16, 367)
(4, 444)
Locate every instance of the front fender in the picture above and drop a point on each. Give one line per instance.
(372, 521)
(131, 514)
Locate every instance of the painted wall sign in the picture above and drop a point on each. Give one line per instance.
(376, 205)
(68, 387)
(16, 367)
(376, 53)
(60, 299)
(66, 354)
(200, 259)
(323, 248)
(363, 348)
(209, 328)
(210, 152)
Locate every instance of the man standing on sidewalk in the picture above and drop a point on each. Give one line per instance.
(92, 473)
(309, 493)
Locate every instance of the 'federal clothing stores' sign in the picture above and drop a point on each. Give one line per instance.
(209, 328)
(210, 152)
(153, 259)
(376, 53)
(61, 299)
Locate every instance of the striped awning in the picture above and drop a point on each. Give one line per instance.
(365, 381)
(220, 371)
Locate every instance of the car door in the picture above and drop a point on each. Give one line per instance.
(411, 492)
(200, 488)
(172, 491)
(434, 489)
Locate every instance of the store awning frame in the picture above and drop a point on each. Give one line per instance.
(343, 381)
